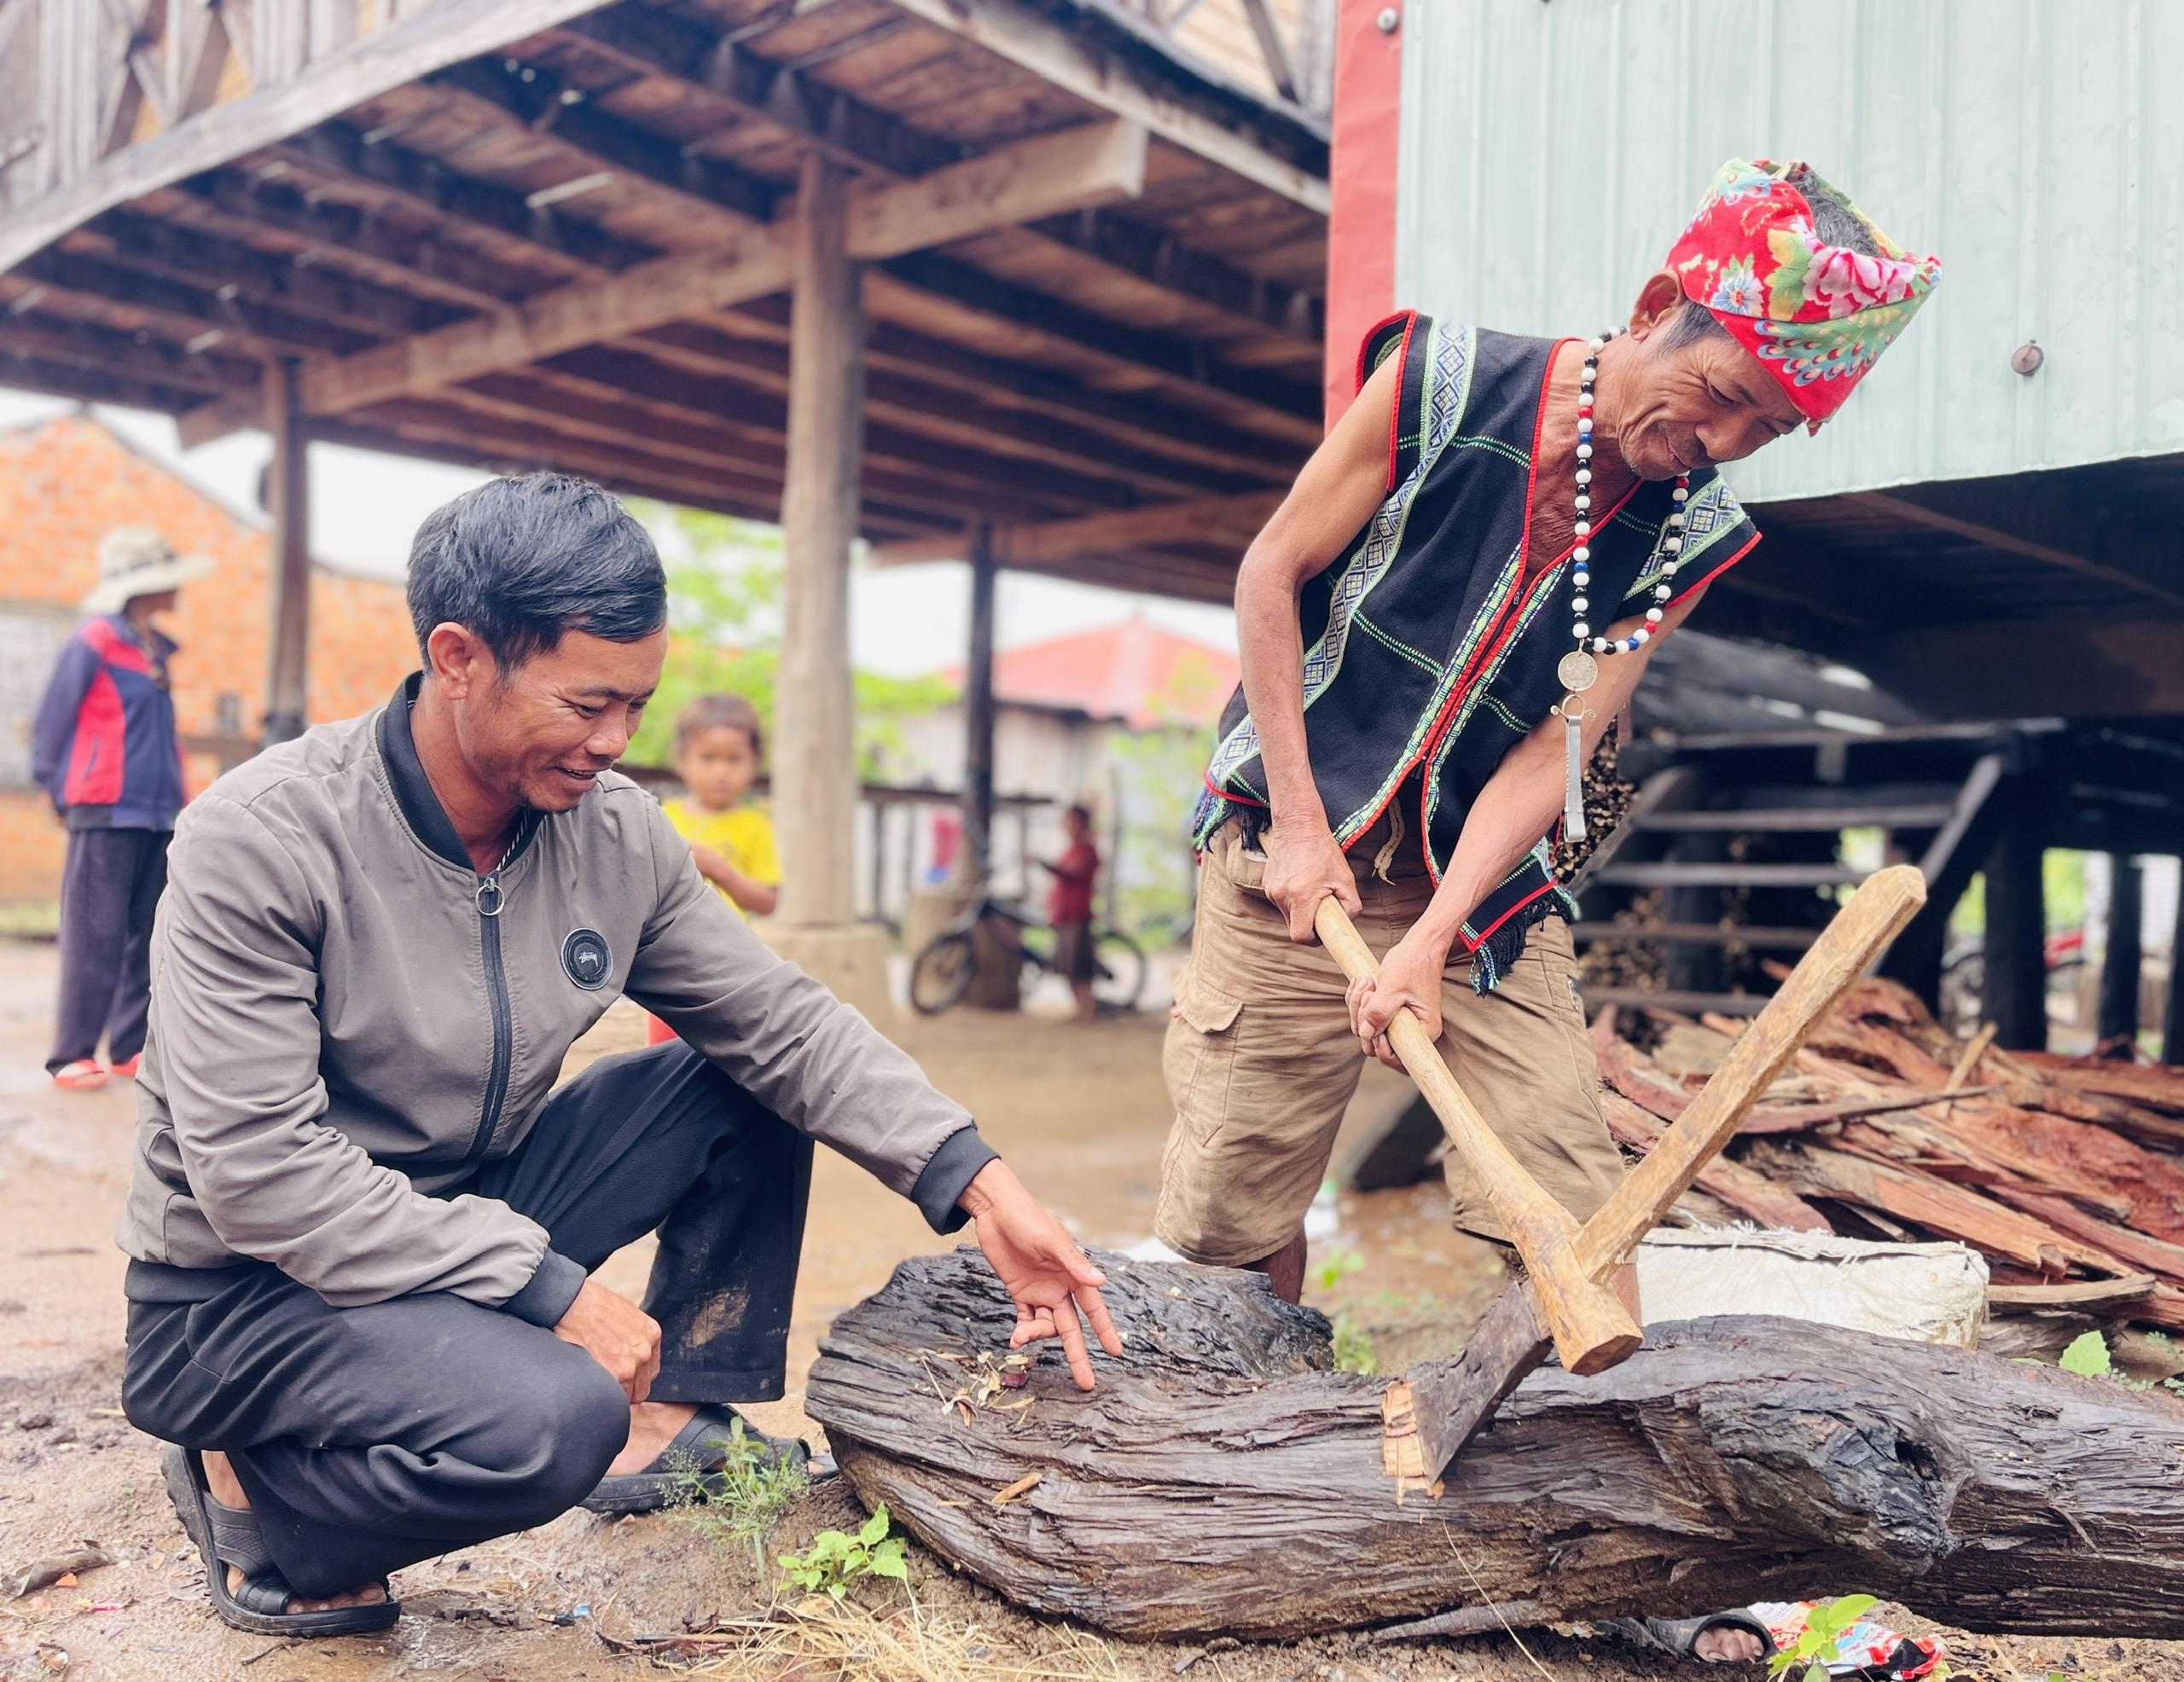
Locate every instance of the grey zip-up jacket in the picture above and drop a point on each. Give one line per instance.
(346, 1019)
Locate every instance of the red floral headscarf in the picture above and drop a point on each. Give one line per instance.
(1817, 316)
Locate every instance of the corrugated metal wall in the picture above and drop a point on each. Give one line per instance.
(1553, 148)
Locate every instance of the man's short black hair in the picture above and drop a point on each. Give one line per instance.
(519, 561)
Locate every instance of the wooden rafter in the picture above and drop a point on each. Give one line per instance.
(1090, 535)
(1061, 56)
(1272, 51)
(1050, 174)
(1277, 405)
(443, 34)
(843, 128)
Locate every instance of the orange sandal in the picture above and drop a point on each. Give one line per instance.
(127, 1069)
(81, 1075)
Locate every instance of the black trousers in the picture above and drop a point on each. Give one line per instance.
(369, 1438)
(110, 888)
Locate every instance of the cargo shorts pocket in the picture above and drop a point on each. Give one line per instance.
(1199, 1058)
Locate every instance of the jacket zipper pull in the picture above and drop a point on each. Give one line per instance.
(488, 894)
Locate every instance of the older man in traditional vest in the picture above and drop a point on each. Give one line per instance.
(1462, 590)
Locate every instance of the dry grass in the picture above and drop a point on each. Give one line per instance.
(819, 1641)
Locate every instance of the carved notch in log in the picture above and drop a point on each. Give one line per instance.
(1223, 1480)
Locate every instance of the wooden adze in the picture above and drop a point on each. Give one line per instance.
(1564, 1303)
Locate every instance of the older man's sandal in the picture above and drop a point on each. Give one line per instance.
(225, 1536)
(689, 1470)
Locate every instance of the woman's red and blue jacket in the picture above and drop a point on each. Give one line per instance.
(104, 744)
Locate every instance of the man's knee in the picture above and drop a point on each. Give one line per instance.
(557, 1429)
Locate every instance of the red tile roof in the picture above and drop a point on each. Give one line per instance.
(1135, 672)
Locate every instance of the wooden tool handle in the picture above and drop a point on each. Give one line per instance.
(1592, 1331)
(1859, 933)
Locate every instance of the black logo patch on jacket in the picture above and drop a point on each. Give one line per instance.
(585, 959)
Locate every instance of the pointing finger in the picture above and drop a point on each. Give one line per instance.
(1103, 1327)
(1073, 1342)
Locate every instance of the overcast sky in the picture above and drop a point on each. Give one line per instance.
(905, 619)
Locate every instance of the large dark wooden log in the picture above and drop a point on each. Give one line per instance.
(1223, 1480)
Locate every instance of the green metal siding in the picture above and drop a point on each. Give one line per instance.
(1551, 151)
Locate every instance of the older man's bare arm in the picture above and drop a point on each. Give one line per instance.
(1337, 492)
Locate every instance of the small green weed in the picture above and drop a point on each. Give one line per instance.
(1353, 1345)
(836, 1561)
(1807, 1661)
(740, 1503)
(1337, 1268)
(1353, 1348)
(2088, 1355)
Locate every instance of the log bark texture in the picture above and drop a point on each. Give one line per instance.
(1222, 1480)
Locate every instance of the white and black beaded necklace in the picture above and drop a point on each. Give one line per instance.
(1579, 670)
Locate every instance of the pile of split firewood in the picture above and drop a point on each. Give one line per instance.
(2066, 1173)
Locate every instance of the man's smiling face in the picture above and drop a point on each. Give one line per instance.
(1682, 403)
(540, 735)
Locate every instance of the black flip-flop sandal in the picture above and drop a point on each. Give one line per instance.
(225, 1536)
(1680, 1636)
(699, 1451)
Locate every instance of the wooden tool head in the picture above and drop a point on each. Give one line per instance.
(1454, 1399)
(1591, 1329)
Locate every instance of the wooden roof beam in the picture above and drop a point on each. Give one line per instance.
(1078, 64)
(91, 385)
(1049, 543)
(405, 255)
(340, 151)
(443, 34)
(1287, 407)
(269, 329)
(842, 128)
(847, 130)
(193, 256)
(543, 107)
(1975, 518)
(435, 190)
(83, 344)
(1013, 183)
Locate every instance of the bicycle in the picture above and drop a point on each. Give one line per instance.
(941, 974)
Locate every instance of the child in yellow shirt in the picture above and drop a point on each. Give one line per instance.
(717, 752)
(719, 746)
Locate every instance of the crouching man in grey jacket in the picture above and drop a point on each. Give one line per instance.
(363, 1216)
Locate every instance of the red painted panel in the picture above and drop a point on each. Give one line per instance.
(1362, 223)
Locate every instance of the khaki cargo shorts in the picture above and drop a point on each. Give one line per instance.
(1260, 1064)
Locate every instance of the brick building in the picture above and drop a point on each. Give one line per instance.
(64, 484)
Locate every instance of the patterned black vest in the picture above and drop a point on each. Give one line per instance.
(1427, 650)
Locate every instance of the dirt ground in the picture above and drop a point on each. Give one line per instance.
(1080, 1113)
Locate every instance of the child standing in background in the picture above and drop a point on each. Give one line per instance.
(719, 747)
(1069, 908)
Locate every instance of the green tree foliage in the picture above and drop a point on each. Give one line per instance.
(1162, 766)
(724, 617)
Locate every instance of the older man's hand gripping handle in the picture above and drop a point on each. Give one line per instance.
(1591, 1329)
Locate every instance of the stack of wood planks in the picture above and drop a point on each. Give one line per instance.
(2066, 1173)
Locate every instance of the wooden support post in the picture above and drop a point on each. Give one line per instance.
(997, 984)
(2119, 966)
(977, 858)
(2172, 1013)
(816, 783)
(287, 480)
(2014, 996)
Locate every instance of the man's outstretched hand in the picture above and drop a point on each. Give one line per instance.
(1040, 1265)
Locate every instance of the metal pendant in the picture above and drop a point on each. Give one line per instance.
(1578, 671)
